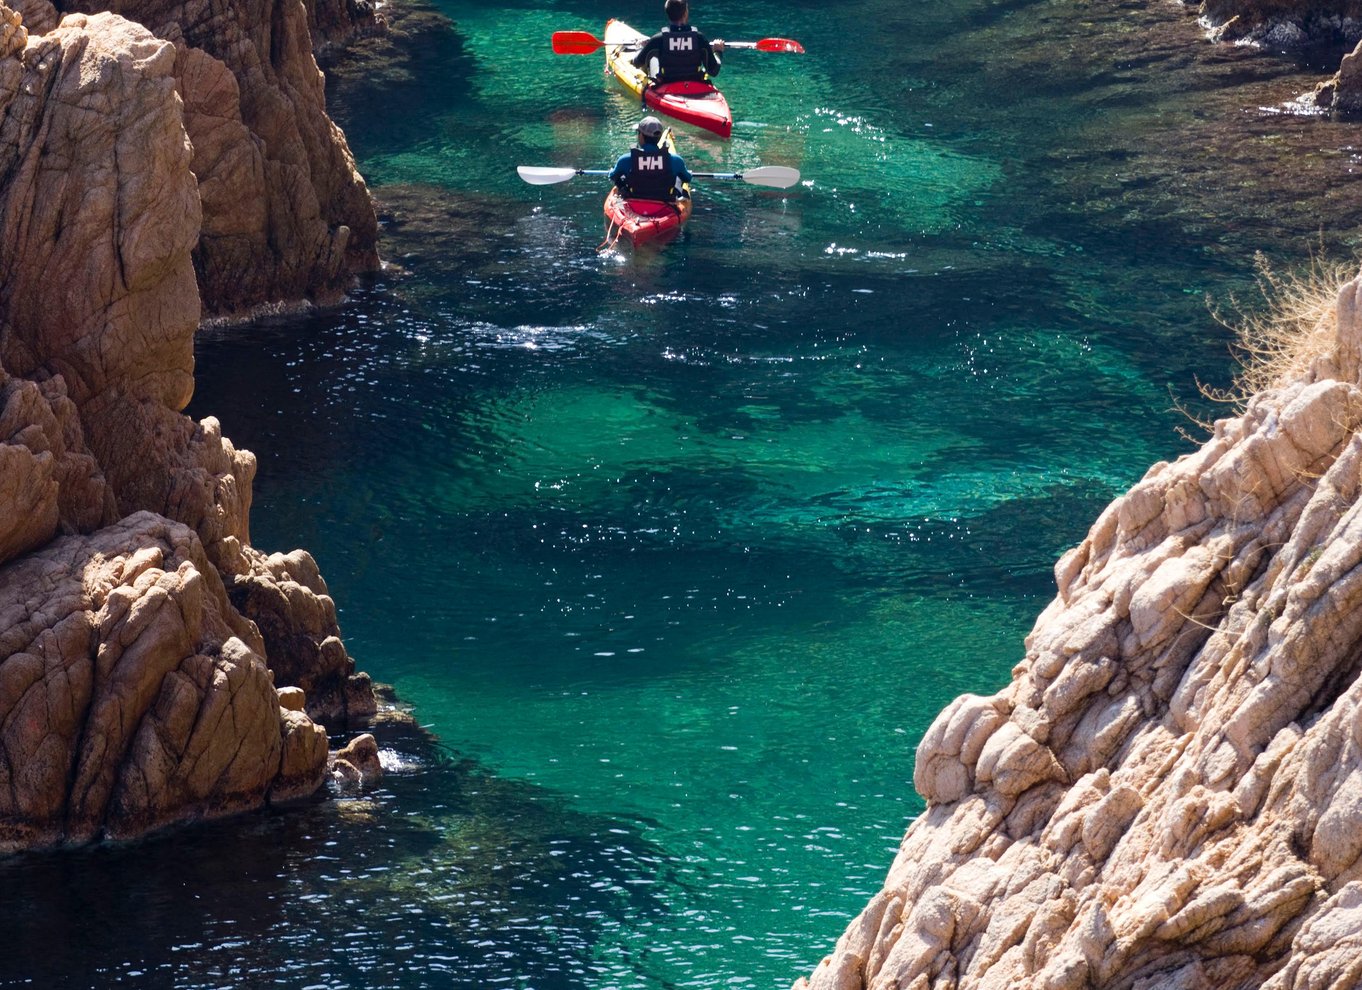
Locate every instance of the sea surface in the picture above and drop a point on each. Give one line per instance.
(674, 553)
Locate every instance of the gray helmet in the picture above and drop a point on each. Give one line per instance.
(650, 128)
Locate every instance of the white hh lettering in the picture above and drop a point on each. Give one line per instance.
(650, 163)
(680, 44)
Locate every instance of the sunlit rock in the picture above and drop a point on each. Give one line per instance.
(127, 702)
(136, 688)
(1167, 794)
(356, 766)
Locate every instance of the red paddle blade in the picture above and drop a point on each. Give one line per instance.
(780, 45)
(575, 43)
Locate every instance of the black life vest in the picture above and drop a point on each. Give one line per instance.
(650, 175)
(681, 55)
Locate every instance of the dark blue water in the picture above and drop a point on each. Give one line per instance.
(677, 552)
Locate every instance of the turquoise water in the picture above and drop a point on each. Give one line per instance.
(678, 552)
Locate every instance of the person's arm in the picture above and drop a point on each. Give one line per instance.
(640, 60)
(679, 169)
(712, 61)
(621, 169)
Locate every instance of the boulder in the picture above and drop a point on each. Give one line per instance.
(127, 700)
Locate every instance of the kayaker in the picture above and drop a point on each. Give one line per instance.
(651, 171)
(679, 53)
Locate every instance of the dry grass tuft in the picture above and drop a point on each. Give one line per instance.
(1279, 341)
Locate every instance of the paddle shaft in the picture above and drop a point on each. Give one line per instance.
(697, 175)
(778, 176)
(584, 43)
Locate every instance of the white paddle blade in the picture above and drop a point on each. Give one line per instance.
(537, 176)
(778, 176)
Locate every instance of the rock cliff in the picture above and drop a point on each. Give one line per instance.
(141, 636)
(285, 215)
(1169, 793)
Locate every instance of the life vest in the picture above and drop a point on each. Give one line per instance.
(681, 55)
(650, 175)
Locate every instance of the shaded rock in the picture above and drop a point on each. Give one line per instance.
(338, 22)
(39, 16)
(1167, 794)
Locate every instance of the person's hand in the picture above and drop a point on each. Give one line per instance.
(718, 45)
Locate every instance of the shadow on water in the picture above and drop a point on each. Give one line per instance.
(446, 875)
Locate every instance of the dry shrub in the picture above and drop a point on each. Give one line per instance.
(1297, 323)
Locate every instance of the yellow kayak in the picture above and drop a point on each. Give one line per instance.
(697, 103)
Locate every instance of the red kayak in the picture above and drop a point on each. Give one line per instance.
(645, 219)
(696, 103)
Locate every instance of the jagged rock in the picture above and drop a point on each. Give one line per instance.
(337, 22)
(13, 33)
(1168, 793)
(285, 596)
(292, 699)
(127, 700)
(286, 215)
(133, 694)
(39, 15)
(1344, 91)
(48, 479)
(99, 212)
(356, 767)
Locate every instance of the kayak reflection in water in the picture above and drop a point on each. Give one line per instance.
(652, 170)
(679, 53)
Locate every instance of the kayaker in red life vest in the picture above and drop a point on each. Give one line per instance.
(679, 53)
(650, 171)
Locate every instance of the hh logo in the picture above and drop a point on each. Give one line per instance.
(680, 44)
(650, 163)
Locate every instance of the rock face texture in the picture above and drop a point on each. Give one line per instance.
(141, 636)
(134, 696)
(1169, 793)
(285, 214)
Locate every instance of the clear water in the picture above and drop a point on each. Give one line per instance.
(677, 552)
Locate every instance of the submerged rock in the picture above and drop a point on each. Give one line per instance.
(1169, 793)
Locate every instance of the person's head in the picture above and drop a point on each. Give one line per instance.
(649, 130)
(677, 11)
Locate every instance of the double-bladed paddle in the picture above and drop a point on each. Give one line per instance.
(584, 43)
(777, 176)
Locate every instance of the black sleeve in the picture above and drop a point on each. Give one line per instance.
(712, 63)
(649, 48)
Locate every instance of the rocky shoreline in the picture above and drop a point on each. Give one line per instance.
(162, 162)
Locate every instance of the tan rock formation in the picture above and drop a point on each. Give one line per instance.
(356, 767)
(1344, 91)
(99, 212)
(134, 693)
(132, 696)
(286, 215)
(1169, 793)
